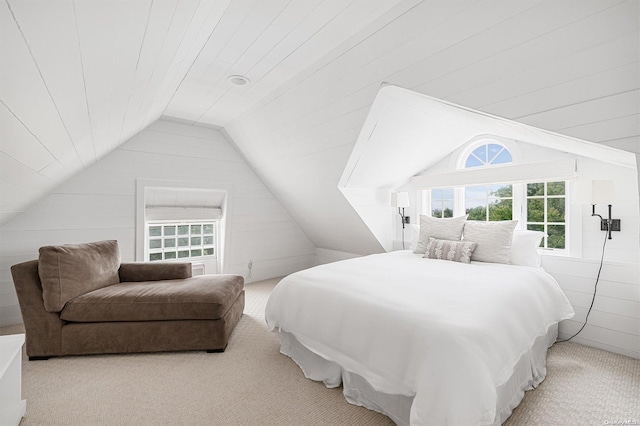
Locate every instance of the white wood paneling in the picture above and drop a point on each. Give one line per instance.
(90, 207)
(80, 78)
(614, 323)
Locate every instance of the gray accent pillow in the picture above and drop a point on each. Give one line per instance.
(456, 251)
(74, 269)
(493, 239)
(449, 228)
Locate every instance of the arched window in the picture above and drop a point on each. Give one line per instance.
(488, 154)
(488, 202)
(537, 205)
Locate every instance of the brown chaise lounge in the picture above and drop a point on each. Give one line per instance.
(79, 299)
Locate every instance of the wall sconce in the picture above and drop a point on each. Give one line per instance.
(598, 192)
(400, 200)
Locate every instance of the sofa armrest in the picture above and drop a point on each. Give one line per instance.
(44, 329)
(152, 271)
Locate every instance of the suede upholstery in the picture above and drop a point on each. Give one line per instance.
(205, 327)
(202, 297)
(71, 270)
(149, 271)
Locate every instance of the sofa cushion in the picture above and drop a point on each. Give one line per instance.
(200, 297)
(71, 270)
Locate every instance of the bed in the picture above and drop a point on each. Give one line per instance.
(423, 341)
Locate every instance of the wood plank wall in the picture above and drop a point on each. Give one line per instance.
(614, 322)
(99, 203)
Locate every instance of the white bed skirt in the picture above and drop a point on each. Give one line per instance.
(528, 372)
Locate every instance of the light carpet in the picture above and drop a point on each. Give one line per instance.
(253, 384)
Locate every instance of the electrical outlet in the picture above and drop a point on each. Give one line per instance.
(249, 267)
(406, 219)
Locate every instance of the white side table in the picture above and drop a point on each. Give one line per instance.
(12, 408)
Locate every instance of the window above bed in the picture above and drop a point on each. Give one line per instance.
(539, 205)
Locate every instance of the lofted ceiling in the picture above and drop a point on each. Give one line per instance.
(78, 78)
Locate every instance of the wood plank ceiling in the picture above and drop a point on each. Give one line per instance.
(77, 78)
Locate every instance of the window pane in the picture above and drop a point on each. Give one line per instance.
(501, 210)
(183, 253)
(477, 213)
(154, 244)
(447, 194)
(183, 229)
(155, 256)
(492, 152)
(556, 236)
(503, 157)
(481, 153)
(531, 227)
(195, 253)
(169, 230)
(155, 231)
(207, 229)
(436, 194)
(555, 188)
(448, 208)
(183, 242)
(170, 242)
(473, 161)
(208, 240)
(535, 210)
(196, 241)
(208, 251)
(196, 229)
(475, 192)
(170, 255)
(555, 209)
(534, 189)
(500, 191)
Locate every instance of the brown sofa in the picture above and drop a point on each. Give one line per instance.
(79, 299)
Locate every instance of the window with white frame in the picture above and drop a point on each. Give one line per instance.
(488, 154)
(489, 202)
(181, 240)
(540, 206)
(442, 202)
(546, 208)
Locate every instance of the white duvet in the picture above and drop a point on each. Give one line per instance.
(444, 332)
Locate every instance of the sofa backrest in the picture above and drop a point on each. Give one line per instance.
(71, 270)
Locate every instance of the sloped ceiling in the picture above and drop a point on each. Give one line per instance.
(569, 67)
(79, 78)
(376, 165)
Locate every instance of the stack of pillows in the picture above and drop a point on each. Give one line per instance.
(461, 240)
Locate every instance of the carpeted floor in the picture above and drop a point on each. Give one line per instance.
(253, 384)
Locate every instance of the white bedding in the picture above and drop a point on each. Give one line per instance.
(446, 333)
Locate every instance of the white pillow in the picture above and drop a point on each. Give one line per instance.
(413, 231)
(524, 248)
(493, 239)
(449, 228)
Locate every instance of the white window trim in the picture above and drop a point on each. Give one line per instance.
(519, 213)
(224, 226)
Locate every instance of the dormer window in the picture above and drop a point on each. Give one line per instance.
(488, 154)
(537, 205)
(488, 202)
